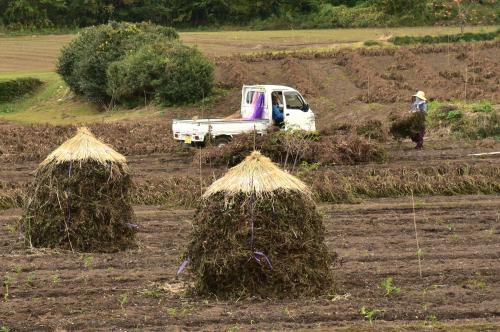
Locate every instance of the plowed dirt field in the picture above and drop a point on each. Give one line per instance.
(138, 290)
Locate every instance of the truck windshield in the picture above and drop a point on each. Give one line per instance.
(293, 101)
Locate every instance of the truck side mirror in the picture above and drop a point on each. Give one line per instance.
(305, 108)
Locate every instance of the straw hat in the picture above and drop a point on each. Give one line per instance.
(256, 174)
(84, 147)
(420, 95)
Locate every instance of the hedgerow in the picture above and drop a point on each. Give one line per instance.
(466, 37)
(13, 89)
(54, 15)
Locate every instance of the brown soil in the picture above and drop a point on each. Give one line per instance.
(138, 289)
(172, 175)
(353, 85)
(34, 142)
(356, 85)
(375, 240)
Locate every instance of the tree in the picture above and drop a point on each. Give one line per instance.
(130, 64)
(399, 7)
(461, 11)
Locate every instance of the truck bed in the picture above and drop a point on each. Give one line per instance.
(196, 130)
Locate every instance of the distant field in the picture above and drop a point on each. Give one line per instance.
(39, 53)
(342, 86)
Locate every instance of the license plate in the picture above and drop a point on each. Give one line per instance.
(188, 139)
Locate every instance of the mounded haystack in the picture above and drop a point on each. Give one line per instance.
(257, 232)
(408, 126)
(79, 198)
(293, 148)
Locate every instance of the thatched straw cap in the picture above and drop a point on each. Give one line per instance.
(256, 174)
(83, 147)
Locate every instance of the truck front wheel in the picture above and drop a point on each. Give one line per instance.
(222, 141)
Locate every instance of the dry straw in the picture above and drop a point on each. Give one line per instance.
(84, 147)
(257, 175)
(257, 232)
(80, 199)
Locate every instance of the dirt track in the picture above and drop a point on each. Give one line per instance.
(138, 289)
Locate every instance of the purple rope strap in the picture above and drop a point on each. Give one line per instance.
(183, 266)
(257, 255)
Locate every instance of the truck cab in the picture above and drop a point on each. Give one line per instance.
(256, 115)
(296, 111)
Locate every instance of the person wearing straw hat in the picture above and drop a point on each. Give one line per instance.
(419, 107)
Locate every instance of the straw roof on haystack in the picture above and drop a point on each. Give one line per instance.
(257, 175)
(84, 147)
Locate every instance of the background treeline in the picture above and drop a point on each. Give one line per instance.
(254, 14)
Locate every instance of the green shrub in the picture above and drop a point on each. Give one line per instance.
(396, 7)
(483, 125)
(450, 115)
(6, 108)
(483, 107)
(345, 17)
(129, 63)
(57, 15)
(167, 71)
(16, 88)
(369, 43)
(488, 126)
(472, 121)
(466, 37)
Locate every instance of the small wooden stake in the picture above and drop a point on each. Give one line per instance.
(254, 137)
(466, 79)
(369, 96)
(201, 177)
(473, 64)
(448, 54)
(416, 236)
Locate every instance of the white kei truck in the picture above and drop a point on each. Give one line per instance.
(255, 116)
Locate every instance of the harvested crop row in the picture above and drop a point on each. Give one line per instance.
(292, 149)
(347, 186)
(382, 75)
(34, 142)
(336, 53)
(339, 185)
